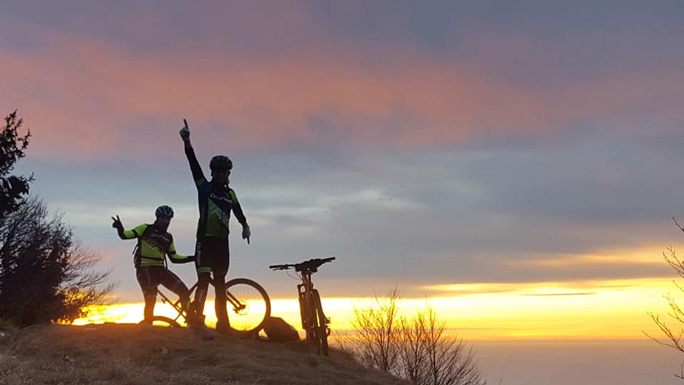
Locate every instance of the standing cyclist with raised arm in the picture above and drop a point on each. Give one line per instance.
(154, 244)
(216, 201)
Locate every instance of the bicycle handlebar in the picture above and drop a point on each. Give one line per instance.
(280, 267)
(311, 265)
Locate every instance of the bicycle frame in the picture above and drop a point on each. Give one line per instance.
(176, 305)
(240, 307)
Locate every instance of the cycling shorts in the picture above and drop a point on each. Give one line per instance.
(149, 277)
(212, 255)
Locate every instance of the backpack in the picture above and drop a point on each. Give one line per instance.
(278, 330)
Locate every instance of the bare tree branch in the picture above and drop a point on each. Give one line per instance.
(417, 349)
(673, 337)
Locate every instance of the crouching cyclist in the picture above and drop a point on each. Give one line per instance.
(154, 244)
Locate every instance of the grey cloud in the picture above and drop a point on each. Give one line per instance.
(465, 215)
(467, 224)
(516, 42)
(469, 213)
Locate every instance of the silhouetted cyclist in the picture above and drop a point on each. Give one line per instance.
(216, 201)
(154, 244)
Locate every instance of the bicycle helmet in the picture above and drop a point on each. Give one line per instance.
(164, 212)
(220, 162)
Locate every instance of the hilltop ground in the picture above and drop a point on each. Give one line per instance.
(128, 354)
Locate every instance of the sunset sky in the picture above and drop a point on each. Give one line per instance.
(514, 164)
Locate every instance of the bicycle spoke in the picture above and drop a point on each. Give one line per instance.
(248, 305)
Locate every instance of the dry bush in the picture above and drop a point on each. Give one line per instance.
(448, 361)
(674, 337)
(377, 339)
(416, 349)
(413, 354)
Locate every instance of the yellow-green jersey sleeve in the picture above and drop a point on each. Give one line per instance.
(173, 255)
(134, 233)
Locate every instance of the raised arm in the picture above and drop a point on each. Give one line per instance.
(126, 234)
(119, 227)
(197, 174)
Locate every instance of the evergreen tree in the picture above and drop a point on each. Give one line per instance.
(13, 188)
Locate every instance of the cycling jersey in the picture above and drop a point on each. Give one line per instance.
(215, 203)
(153, 246)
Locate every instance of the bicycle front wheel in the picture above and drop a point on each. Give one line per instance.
(322, 329)
(248, 306)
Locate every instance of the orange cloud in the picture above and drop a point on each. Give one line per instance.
(85, 97)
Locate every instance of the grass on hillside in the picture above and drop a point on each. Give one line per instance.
(129, 354)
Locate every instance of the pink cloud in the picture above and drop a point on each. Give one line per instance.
(85, 97)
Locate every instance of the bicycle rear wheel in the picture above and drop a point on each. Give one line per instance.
(162, 321)
(248, 306)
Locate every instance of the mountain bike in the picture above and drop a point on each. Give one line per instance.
(314, 322)
(247, 303)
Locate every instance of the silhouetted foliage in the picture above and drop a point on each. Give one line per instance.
(13, 188)
(416, 349)
(44, 275)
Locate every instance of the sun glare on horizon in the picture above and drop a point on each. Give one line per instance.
(615, 309)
